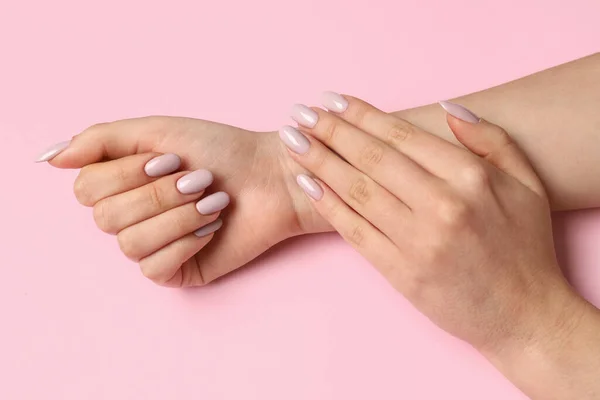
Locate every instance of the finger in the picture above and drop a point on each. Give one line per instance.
(101, 180)
(370, 155)
(110, 141)
(175, 265)
(492, 143)
(140, 240)
(358, 232)
(358, 190)
(115, 213)
(432, 153)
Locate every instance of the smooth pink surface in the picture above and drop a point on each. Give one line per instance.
(311, 320)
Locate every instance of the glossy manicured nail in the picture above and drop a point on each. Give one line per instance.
(194, 182)
(334, 102)
(460, 112)
(304, 115)
(310, 186)
(210, 228)
(162, 165)
(213, 203)
(52, 151)
(293, 139)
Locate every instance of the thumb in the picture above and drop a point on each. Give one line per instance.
(492, 143)
(104, 141)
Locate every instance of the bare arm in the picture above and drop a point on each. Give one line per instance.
(554, 115)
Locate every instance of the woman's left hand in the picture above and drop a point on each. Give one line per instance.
(465, 235)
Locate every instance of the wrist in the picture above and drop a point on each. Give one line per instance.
(307, 220)
(556, 353)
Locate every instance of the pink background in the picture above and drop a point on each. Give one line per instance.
(80, 322)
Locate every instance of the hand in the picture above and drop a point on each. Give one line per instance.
(465, 236)
(267, 206)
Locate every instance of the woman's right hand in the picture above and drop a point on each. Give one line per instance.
(154, 222)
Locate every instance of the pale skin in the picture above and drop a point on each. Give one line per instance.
(498, 210)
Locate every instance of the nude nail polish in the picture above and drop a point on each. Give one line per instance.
(194, 182)
(460, 112)
(294, 139)
(334, 102)
(52, 151)
(162, 165)
(213, 203)
(210, 228)
(304, 115)
(310, 186)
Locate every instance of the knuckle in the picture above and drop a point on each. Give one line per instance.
(332, 210)
(359, 113)
(102, 218)
(96, 128)
(187, 277)
(82, 190)
(475, 176)
(398, 133)
(156, 197)
(501, 133)
(181, 219)
(452, 212)
(372, 154)
(121, 174)
(129, 246)
(330, 131)
(153, 274)
(319, 159)
(355, 236)
(359, 191)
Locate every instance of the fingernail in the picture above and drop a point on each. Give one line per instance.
(304, 115)
(52, 151)
(334, 102)
(460, 112)
(194, 182)
(210, 228)
(310, 186)
(162, 165)
(293, 139)
(213, 203)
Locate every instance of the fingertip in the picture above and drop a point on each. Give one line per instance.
(209, 229)
(310, 186)
(460, 112)
(52, 152)
(65, 160)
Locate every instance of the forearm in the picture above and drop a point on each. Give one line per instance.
(560, 361)
(554, 115)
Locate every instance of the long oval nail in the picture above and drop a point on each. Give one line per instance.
(52, 151)
(162, 165)
(294, 139)
(334, 102)
(213, 203)
(304, 115)
(194, 182)
(460, 112)
(310, 186)
(210, 228)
